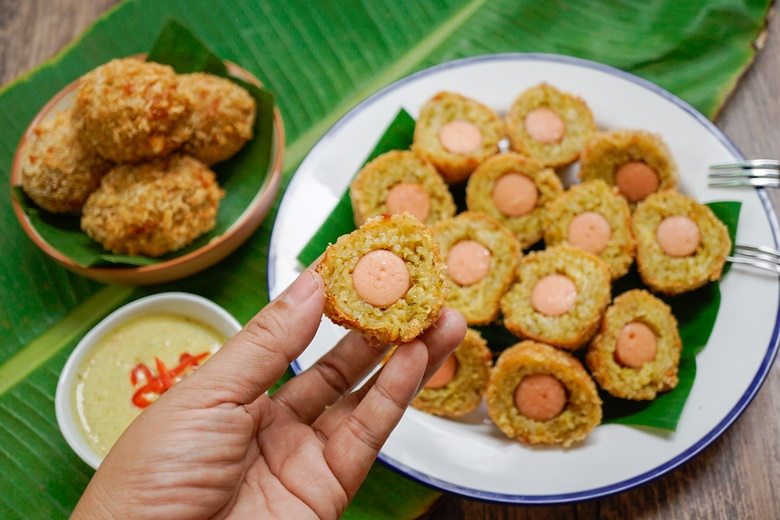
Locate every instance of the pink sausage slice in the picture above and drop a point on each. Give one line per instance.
(636, 180)
(544, 126)
(553, 295)
(589, 231)
(515, 194)
(409, 197)
(468, 262)
(540, 397)
(636, 345)
(678, 236)
(380, 278)
(461, 137)
(445, 374)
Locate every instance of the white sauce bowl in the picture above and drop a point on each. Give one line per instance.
(178, 303)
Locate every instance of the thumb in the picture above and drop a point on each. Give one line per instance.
(255, 358)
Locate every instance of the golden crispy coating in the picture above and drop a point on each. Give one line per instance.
(223, 116)
(575, 327)
(481, 187)
(464, 392)
(594, 196)
(608, 151)
(646, 381)
(574, 113)
(582, 412)
(130, 110)
(421, 305)
(673, 275)
(478, 302)
(153, 208)
(448, 107)
(369, 190)
(59, 171)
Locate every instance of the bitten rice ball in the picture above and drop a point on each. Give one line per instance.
(538, 394)
(636, 352)
(595, 218)
(481, 256)
(130, 110)
(457, 387)
(681, 244)
(637, 162)
(549, 125)
(223, 116)
(558, 298)
(59, 171)
(514, 190)
(153, 208)
(398, 182)
(456, 134)
(385, 280)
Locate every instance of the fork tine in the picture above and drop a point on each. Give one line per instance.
(756, 256)
(758, 252)
(748, 164)
(744, 181)
(755, 172)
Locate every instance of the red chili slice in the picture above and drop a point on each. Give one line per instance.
(155, 386)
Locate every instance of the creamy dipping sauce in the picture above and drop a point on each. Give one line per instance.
(103, 396)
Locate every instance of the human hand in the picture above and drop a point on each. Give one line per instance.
(216, 445)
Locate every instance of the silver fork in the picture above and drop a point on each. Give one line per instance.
(756, 256)
(764, 173)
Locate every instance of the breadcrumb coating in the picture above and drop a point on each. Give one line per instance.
(658, 375)
(464, 392)
(594, 196)
(59, 170)
(416, 310)
(223, 116)
(446, 107)
(479, 193)
(153, 208)
(574, 328)
(583, 409)
(479, 303)
(575, 113)
(368, 191)
(669, 275)
(130, 110)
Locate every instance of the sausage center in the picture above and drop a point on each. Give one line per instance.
(381, 278)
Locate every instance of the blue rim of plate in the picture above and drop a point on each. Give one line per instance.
(667, 466)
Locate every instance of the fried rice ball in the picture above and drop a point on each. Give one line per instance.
(59, 171)
(153, 208)
(385, 280)
(130, 110)
(223, 116)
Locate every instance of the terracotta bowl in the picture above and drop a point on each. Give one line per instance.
(181, 266)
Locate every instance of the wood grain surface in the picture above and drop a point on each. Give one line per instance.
(737, 477)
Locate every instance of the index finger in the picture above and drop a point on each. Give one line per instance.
(255, 358)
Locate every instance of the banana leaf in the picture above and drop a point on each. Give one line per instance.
(319, 59)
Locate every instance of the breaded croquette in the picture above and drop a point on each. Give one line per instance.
(130, 110)
(58, 171)
(153, 208)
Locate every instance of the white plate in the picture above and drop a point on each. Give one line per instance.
(470, 456)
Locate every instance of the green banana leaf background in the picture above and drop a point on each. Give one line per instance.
(319, 59)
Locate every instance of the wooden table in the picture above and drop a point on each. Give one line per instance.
(736, 477)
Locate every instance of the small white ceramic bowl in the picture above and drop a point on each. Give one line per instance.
(182, 304)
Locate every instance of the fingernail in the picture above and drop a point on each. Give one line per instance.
(301, 289)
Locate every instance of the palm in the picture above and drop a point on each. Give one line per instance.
(216, 445)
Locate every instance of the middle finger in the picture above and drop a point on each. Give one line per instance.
(306, 395)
